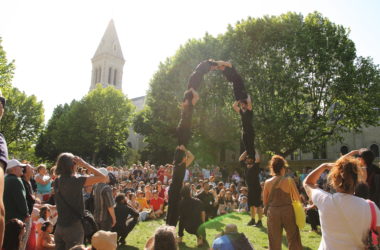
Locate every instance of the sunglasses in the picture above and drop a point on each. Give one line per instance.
(3, 101)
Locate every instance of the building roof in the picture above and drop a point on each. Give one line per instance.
(110, 43)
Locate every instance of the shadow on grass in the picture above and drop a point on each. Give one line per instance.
(284, 239)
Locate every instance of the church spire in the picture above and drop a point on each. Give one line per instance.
(108, 60)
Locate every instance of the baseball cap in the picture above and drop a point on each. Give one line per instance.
(14, 163)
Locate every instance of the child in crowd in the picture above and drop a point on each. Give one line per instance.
(46, 239)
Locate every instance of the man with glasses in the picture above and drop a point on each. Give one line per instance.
(3, 165)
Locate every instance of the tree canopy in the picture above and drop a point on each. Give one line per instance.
(306, 82)
(96, 127)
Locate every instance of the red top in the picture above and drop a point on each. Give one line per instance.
(156, 203)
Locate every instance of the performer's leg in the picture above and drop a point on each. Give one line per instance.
(238, 84)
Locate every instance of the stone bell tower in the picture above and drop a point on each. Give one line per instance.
(108, 61)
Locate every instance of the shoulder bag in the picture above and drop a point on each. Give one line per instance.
(298, 208)
(89, 225)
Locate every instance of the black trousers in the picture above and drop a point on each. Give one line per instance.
(123, 230)
(248, 138)
(175, 195)
(237, 83)
(254, 188)
(197, 76)
(312, 217)
(183, 135)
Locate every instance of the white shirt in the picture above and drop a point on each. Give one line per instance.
(338, 230)
(186, 175)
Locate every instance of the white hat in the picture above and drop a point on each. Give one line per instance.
(103, 171)
(14, 163)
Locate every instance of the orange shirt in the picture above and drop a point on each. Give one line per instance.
(143, 203)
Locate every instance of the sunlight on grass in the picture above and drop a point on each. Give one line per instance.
(257, 236)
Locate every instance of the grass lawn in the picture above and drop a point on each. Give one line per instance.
(257, 236)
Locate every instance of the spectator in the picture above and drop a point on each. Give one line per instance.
(243, 205)
(345, 219)
(103, 240)
(14, 231)
(43, 181)
(14, 192)
(3, 165)
(230, 202)
(276, 197)
(163, 239)
(32, 241)
(221, 201)
(104, 213)
(122, 212)
(372, 178)
(69, 199)
(129, 187)
(208, 199)
(157, 205)
(230, 239)
(27, 175)
(44, 217)
(145, 210)
(191, 216)
(46, 240)
(148, 193)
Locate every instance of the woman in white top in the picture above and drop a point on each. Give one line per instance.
(345, 218)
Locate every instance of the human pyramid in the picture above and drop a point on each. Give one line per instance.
(182, 156)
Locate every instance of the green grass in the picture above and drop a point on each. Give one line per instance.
(257, 236)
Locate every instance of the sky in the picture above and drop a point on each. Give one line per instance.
(53, 41)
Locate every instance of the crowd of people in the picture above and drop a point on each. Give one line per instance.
(41, 202)
(73, 203)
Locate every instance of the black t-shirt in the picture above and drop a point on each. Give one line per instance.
(207, 200)
(71, 189)
(190, 213)
(29, 197)
(246, 120)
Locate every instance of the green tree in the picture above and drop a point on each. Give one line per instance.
(22, 122)
(6, 69)
(306, 81)
(95, 127)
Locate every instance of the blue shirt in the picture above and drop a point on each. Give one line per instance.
(222, 243)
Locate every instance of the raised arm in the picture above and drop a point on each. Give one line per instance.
(243, 156)
(98, 177)
(189, 158)
(311, 180)
(249, 103)
(235, 106)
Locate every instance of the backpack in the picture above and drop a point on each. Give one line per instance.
(89, 225)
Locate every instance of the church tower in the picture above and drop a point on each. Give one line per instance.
(108, 61)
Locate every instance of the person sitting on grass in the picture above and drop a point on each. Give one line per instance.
(157, 205)
(163, 239)
(145, 210)
(243, 205)
(122, 212)
(231, 239)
